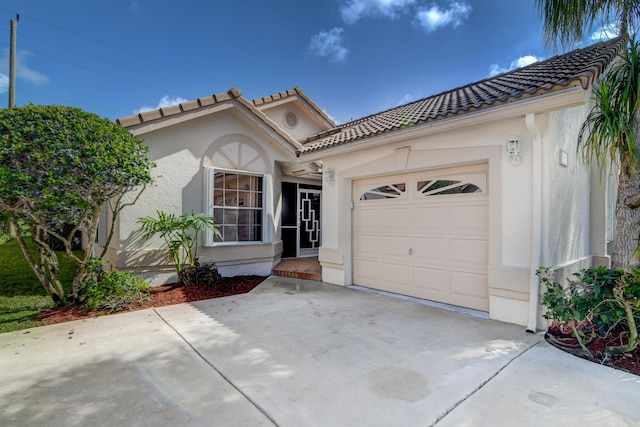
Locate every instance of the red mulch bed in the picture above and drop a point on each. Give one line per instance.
(624, 362)
(161, 296)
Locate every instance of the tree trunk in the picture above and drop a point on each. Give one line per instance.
(625, 244)
(47, 268)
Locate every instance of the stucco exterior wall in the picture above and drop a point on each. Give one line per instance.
(306, 124)
(575, 205)
(181, 152)
(568, 196)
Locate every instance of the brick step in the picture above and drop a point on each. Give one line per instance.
(299, 268)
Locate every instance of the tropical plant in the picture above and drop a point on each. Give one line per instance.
(610, 132)
(609, 300)
(612, 128)
(59, 168)
(181, 237)
(566, 22)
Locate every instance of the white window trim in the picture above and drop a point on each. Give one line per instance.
(267, 206)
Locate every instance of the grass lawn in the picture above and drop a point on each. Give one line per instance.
(21, 294)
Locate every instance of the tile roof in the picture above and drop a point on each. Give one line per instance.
(275, 97)
(207, 101)
(233, 94)
(183, 107)
(580, 66)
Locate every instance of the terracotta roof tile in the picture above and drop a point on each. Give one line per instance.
(581, 66)
(148, 116)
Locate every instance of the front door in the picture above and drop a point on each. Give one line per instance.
(308, 222)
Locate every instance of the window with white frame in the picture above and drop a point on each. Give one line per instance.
(237, 205)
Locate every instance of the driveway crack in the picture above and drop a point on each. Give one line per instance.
(485, 382)
(227, 379)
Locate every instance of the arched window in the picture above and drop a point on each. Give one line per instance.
(237, 186)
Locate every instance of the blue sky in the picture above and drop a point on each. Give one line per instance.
(351, 57)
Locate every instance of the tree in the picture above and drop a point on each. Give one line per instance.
(59, 167)
(612, 128)
(566, 22)
(610, 132)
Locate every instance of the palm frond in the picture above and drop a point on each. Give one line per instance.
(567, 22)
(608, 133)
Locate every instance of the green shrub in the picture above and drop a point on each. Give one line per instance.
(607, 299)
(115, 290)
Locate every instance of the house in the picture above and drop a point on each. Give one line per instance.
(235, 159)
(458, 197)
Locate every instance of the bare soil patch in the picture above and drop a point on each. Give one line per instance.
(160, 296)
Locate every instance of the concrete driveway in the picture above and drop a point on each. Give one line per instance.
(297, 353)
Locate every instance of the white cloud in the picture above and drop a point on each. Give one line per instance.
(165, 101)
(134, 7)
(4, 83)
(353, 10)
(606, 32)
(405, 99)
(23, 71)
(523, 61)
(329, 44)
(435, 17)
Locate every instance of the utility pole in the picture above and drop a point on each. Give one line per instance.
(12, 62)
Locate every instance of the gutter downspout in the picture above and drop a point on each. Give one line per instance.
(536, 226)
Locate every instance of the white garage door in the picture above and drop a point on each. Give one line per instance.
(425, 235)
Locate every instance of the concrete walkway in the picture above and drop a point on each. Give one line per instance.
(296, 353)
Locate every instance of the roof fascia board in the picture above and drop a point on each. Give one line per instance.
(324, 117)
(568, 98)
(154, 125)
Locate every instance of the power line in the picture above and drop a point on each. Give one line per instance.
(148, 58)
(93, 69)
(112, 46)
(106, 61)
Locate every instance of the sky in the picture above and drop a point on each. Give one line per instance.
(351, 57)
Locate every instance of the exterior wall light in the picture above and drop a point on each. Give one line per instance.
(329, 176)
(513, 148)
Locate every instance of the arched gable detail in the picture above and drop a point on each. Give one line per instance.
(237, 152)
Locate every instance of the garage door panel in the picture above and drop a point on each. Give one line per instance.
(369, 269)
(367, 219)
(368, 245)
(470, 251)
(432, 241)
(395, 246)
(469, 284)
(430, 248)
(430, 220)
(397, 274)
(393, 219)
(470, 217)
(431, 279)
